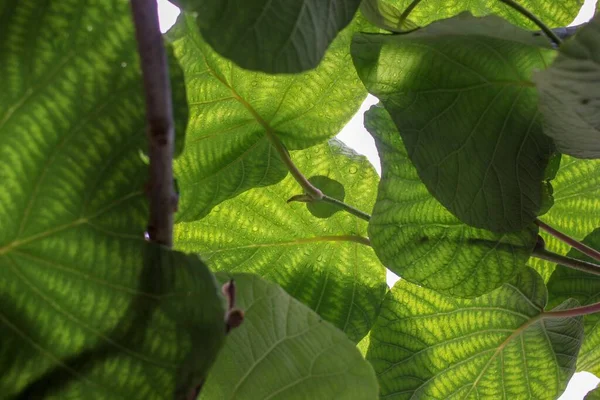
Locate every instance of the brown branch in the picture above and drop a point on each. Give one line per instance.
(159, 117)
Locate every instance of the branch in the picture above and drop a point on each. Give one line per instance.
(574, 263)
(573, 312)
(159, 117)
(582, 247)
(528, 14)
(312, 192)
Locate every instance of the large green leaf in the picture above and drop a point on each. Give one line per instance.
(428, 346)
(272, 36)
(88, 309)
(283, 350)
(576, 210)
(418, 239)
(399, 15)
(459, 93)
(568, 283)
(233, 110)
(569, 89)
(322, 262)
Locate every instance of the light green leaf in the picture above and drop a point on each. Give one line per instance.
(459, 93)
(566, 283)
(418, 239)
(283, 350)
(88, 309)
(386, 16)
(569, 89)
(232, 111)
(286, 36)
(324, 263)
(425, 345)
(423, 12)
(576, 210)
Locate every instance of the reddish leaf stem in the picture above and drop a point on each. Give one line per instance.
(159, 117)
(583, 248)
(573, 312)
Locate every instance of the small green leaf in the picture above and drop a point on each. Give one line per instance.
(576, 209)
(88, 308)
(272, 36)
(569, 89)
(566, 283)
(418, 239)
(333, 189)
(423, 12)
(324, 263)
(428, 346)
(232, 110)
(283, 350)
(459, 93)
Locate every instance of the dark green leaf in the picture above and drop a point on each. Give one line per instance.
(566, 283)
(232, 111)
(569, 99)
(417, 238)
(88, 309)
(423, 12)
(324, 263)
(576, 209)
(459, 93)
(428, 346)
(272, 36)
(283, 350)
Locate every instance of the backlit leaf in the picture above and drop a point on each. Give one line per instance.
(425, 345)
(576, 209)
(232, 111)
(460, 94)
(324, 263)
(283, 350)
(418, 239)
(568, 283)
(423, 12)
(569, 99)
(88, 308)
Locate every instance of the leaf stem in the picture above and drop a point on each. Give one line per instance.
(525, 12)
(346, 207)
(314, 193)
(574, 263)
(572, 312)
(408, 10)
(582, 247)
(159, 117)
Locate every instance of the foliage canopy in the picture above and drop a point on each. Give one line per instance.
(488, 205)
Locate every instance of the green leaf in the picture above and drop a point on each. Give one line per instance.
(88, 309)
(423, 12)
(386, 16)
(459, 93)
(233, 110)
(272, 36)
(593, 395)
(566, 283)
(324, 263)
(333, 189)
(418, 239)
(569, 89)
(576, 210)
(425, 345)
(283, 350)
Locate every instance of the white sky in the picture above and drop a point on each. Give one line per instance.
(356, 136)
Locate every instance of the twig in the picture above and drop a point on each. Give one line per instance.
(346, 207)
(582, 247)
(573, 312)
(525, 12)
(159, 117)
(574, 263)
